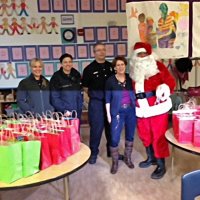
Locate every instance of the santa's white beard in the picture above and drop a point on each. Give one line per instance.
(142, 68)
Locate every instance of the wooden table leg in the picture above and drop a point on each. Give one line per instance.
(66, 188)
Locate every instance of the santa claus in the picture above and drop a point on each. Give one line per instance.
(153, 84)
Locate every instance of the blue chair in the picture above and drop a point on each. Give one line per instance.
(190, 185)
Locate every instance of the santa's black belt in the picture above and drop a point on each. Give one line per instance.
(143, 95)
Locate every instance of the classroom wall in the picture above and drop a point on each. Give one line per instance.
(100, 20)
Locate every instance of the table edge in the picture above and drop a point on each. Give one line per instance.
(180, 147)
(45, 181)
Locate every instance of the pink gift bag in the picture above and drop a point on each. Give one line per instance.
(183, 127)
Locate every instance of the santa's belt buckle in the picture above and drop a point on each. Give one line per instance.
(140, 95)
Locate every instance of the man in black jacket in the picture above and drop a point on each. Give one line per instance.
(93, 81)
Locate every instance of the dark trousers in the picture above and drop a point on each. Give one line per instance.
(126, 117)
(98, 121)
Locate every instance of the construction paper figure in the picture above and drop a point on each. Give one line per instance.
(15, 26)
(23, 7)
(24, 26)
(13, 7)
(5, 26)
(34, 25)
(43, 25)
(53, 25)
(10, 71)
(4, 7)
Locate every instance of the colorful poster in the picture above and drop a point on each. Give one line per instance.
(195, 30)
(166, 28)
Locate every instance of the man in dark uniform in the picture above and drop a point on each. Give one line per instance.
(93, 82)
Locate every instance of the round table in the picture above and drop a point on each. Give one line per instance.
(55, 172)
(169, 135)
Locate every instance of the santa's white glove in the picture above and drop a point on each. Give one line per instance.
(109, 118)
(162, 92)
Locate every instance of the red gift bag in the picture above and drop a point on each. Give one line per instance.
(183, 127)
(55, 142)
(196, 136)
(45, 155)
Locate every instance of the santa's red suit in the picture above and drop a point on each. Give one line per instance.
(153, 84)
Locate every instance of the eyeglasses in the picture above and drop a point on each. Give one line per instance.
(99, 50)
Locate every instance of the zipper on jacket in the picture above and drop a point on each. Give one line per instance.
(42, 103)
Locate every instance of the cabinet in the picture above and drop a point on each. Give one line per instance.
(8, 101)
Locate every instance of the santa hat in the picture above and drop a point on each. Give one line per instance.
(140, 47)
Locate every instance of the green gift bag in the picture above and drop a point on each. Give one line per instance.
(30, 157)
(10, 162)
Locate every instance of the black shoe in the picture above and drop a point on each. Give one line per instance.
(158, 173)
(92, 160)
(148, 162)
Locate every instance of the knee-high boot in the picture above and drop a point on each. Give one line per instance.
(115, 156)
(160, 170)
(151, 160)
(127, 154)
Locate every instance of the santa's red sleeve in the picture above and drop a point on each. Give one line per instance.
(166, 77)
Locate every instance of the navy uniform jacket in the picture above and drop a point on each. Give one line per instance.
(114, 93)
(66, 91)
(94, 78)
(32, 97)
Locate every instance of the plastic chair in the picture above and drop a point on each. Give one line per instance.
(190, 185)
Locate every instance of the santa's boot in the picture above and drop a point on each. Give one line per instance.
(127, 154)
(151, 160)
(160, 170)
(115, 156)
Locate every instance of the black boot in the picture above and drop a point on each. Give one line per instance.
(160, 170)
(151, 160)
(127, 154)
(115, 157)
(92, 159)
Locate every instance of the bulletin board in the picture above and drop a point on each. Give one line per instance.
(49, 28)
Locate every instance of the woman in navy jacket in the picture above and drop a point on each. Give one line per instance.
(120, 108)
(33, 92)
(66, 90)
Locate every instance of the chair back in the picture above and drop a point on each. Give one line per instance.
(190, 185)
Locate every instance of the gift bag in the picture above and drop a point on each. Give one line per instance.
(55, 146)
(196, 136)
(73, 120)
(75, 139)
(183, 127)
(183, 121)
(30, 157)
(10, 162)
(45, 155)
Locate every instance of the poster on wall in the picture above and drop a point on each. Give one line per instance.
(195, 30)
(166, 29)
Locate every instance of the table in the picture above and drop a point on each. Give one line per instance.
(53, 173)
(169, 135)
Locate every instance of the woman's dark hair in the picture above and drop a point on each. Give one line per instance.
(66, 55)
(122, 58)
